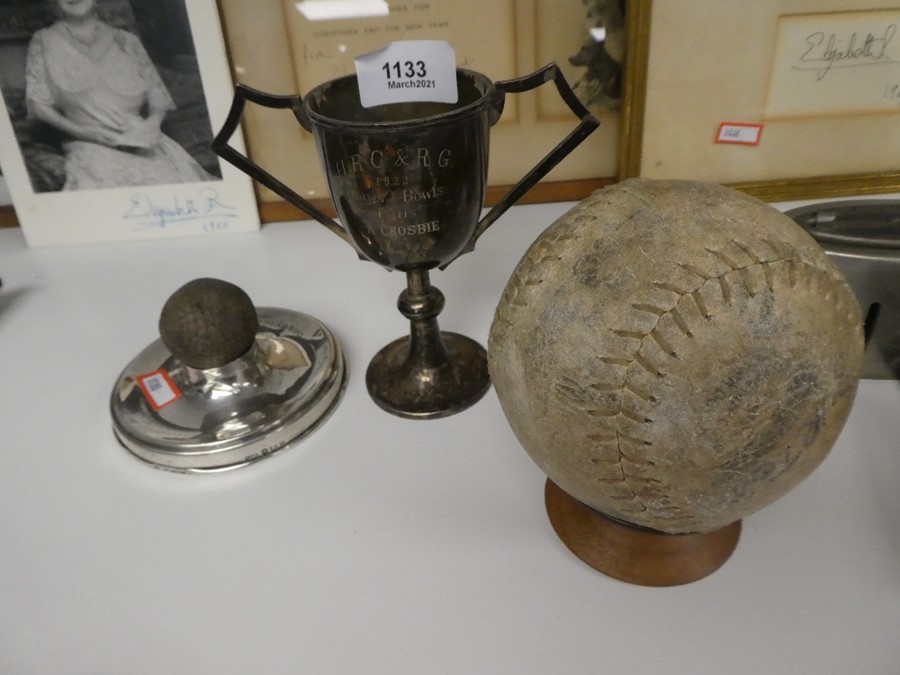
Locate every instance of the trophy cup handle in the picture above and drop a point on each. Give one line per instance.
(219, 145)
(586, 127)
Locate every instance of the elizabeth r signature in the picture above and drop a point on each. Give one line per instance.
(146, 212)
(826, 51)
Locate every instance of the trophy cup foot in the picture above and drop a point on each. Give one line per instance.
(632, 554)
(401, 385)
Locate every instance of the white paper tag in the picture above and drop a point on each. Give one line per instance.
(410, 70)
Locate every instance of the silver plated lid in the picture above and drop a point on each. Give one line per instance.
(226, 384)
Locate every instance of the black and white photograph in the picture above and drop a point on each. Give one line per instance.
(106, 96)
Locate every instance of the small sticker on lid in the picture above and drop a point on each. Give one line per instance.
(738, 133)
(408, 71)
(158, 388)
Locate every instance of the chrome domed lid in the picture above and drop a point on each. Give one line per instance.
(226, 384)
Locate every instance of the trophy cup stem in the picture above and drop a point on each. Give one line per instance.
(421, 303)
(428, 374)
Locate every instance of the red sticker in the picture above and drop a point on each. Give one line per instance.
(738, 133)
(158, 388)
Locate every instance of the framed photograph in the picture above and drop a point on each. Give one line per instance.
(785, 99)
(288, 47)
(108, 110)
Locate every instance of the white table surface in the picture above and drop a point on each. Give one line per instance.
(377, 545)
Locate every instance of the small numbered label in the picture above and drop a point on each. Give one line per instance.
(739, 133)
(158, 388)
(411, 70)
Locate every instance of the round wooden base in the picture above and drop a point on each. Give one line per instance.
(635, 555)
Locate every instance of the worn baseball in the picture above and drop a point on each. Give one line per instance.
(676, 354)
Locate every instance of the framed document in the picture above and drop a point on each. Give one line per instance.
(285, 48)
(108, 111)
(785, 99)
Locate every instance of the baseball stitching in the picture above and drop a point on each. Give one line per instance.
(622, 444)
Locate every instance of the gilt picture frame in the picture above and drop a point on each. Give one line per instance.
(276, 48)
(773, 74)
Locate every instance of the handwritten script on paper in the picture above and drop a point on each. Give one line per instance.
(206, 206)
(843, 63)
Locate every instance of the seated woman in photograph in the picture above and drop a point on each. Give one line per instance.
(97, 85)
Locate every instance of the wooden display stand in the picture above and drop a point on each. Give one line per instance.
(632, 554)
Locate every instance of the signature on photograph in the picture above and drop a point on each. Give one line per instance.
(148, 211)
